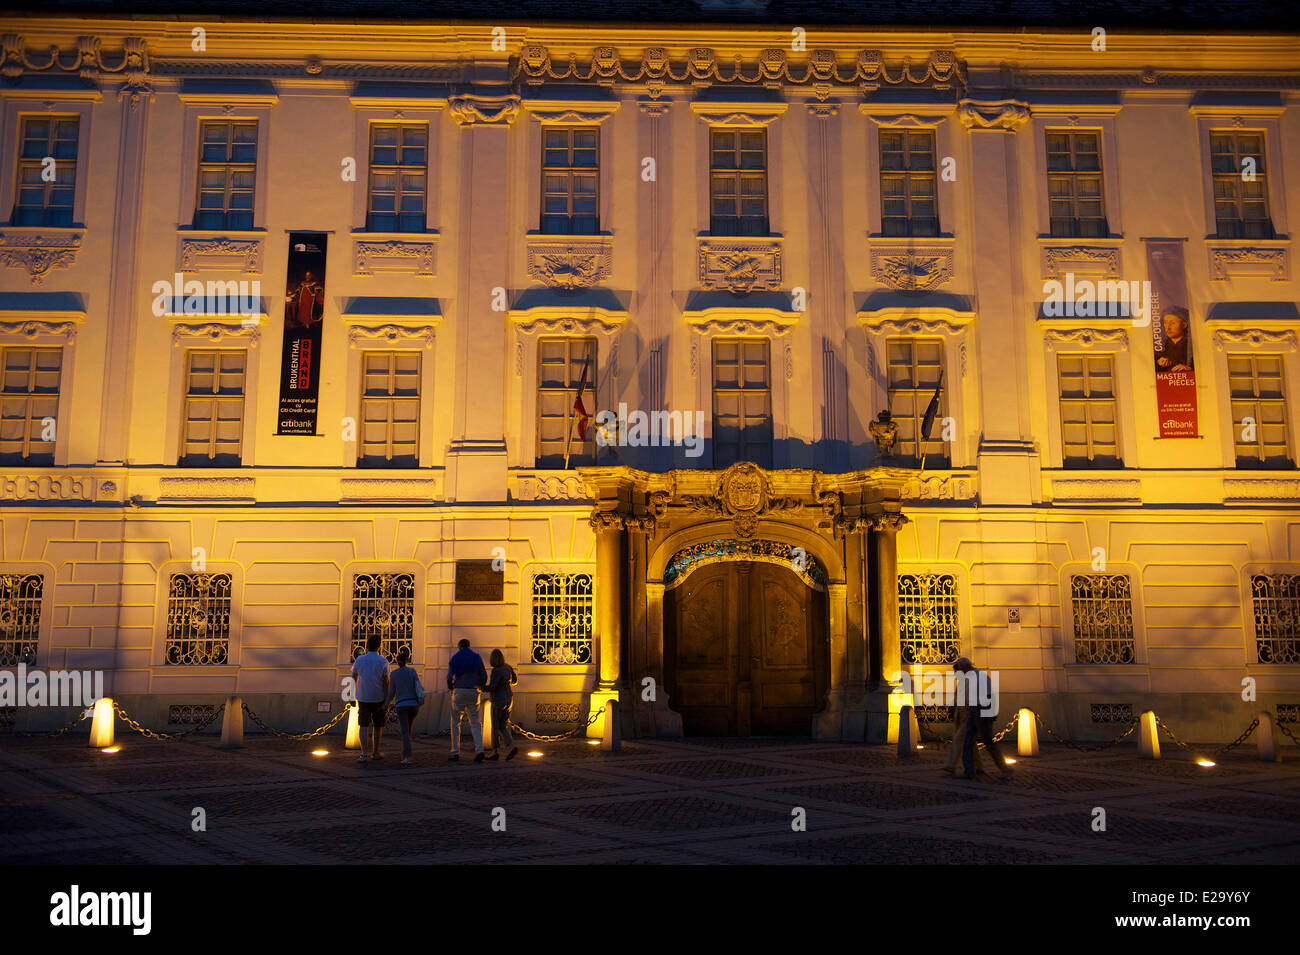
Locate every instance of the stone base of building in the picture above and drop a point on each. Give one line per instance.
(1194, 717)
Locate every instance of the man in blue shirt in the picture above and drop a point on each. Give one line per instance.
(465, 677)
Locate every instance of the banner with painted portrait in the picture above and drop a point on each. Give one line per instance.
(1171, 341)
(304, 312)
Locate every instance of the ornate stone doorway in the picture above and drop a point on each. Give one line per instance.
(745, 642)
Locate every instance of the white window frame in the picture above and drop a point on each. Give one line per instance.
(394, 333)
(1273, 338)
(938, 118)
(551, 112)
(1261, 118)
(19, 104)
(217, 106)
(22, 330)
(213, 334)
(740, 115)
(1110, 340)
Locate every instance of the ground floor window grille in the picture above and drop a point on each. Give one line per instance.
(190, 714)
(562, 618)
(927, 618)
(383, 605)
(198, 620)
(1111, 712)
(1103, 618)
(20, 617)
(1275, 600)
(1288, 713)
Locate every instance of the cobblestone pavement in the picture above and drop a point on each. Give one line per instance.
(692, 801)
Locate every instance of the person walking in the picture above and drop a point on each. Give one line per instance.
(465, 677)
(958, 742)
(500, 681)
(370, 670)
(977, 724)
(407, 693)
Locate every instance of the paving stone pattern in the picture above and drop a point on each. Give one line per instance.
(661, 801)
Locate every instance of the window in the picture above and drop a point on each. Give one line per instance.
(1275, 600)
(562, 618)
(927, 619)
(390, 409)
(214, 407)
(1089, 428)
(570, 163)
(1240, 185)
(1103, 618)
(198, 620)
(742, 402)
(20, 618)
(560, 366)
(1074, 183)
(383, 605)
(45, 191)
(738, 182)
(399, 173)
(30, 405)
(227, 171)
(915, 366)
(907, 183)
(1258, 411)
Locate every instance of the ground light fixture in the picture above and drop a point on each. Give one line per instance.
(1009, 761)
(593, 742)
(320, 752)
(1205, 763)
(111, 749)
(534, 753)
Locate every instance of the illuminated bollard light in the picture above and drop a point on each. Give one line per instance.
(1026, 733)
(1267, 741)
(232, 724)
(101, 724)
(353, 738)
(487, 721)
(909, 732)
(611, 741)
(1148, 737)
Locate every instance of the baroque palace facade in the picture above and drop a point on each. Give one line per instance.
(294, 316)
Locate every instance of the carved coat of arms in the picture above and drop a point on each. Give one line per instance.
(744, 495)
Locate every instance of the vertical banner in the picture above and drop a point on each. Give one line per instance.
(304, 308)
(1171, 340)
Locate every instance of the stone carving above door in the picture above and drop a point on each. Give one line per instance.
(743, 494)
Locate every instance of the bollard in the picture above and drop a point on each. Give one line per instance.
(101, 724)
(352, 740)
(909, 732)
(611, 741)
(1267, 741)
(487, 722)
(232, 724)
(1149, 738)
(1026, 733)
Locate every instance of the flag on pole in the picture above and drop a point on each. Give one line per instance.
(578, 407)
(580, 411)
(931, 409)
(927, 423)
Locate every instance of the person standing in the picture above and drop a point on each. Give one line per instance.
(500, 681)
(465, 677)
(370, 670)
(977, 724)
(407, 693)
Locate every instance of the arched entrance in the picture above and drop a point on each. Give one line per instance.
(745, 639)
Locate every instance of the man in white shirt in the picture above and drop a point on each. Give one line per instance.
(370, 670)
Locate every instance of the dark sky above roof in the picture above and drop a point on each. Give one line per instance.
(1160, 15)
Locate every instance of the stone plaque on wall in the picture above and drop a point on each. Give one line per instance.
(476, 580)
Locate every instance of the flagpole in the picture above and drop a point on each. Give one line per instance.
(582, 386)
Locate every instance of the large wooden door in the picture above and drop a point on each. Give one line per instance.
(745, 651)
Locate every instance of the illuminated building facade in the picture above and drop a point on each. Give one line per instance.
(294, 316)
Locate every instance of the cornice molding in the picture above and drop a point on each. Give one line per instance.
(913, 320)
(558, 320)
(393, 333)
(739, 114)
(1055, 338)
(215, 332)
(34, 328)
(88, 60)
(570, 111)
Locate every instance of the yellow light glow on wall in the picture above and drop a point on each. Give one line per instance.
(101, 724)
